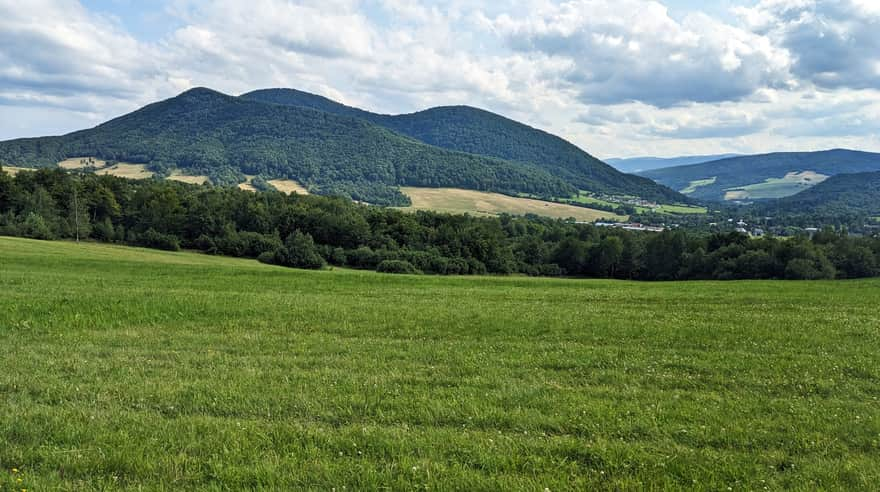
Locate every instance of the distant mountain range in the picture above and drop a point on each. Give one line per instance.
(336, 149)
(765, 176)
(641, 164)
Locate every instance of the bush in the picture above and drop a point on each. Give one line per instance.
(157, 240)
(104, 231)
(299, 251)
(34, 226)
(397, 266)
(805, 269)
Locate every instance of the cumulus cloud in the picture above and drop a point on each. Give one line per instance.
(632, 50)
(832, 43)
(618, 77)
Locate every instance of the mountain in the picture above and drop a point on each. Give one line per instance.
(844, 194)
(206, 132)
(764, 176)
(641, 164)
(475, 131)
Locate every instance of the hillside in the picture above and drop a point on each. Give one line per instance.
(642, 164)
(844, 194)
(206, 132)
(472, 130)
(763, 176)
(145, 370)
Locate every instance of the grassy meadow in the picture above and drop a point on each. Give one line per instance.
(124, 368)
(482, 203)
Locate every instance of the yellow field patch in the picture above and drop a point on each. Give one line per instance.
(186, 178)
(247, 185)
(288, 186)
(81, 162)
(125, 170)
(459, 201)
(12, 170)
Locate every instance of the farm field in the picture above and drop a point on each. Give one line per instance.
(126, 170)
(586, 198)
(481, 203)
(288, 186)
(788, 185)
(693, 185)
(138, 369)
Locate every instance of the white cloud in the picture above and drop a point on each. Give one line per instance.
(618, 77)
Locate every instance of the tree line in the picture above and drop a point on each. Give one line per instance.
(313, 231)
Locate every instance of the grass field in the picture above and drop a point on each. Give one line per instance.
(587, 198)
(481, 203)
(788, 185)
(13, 170)
(138, 369)
(288, 186)
(693, 185)
(126, 170)
(177, 175)
(81, 162)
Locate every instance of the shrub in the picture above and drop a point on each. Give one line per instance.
(104, 231)
(34, 226)
(299, 251)
(157, 240)
(397, 266)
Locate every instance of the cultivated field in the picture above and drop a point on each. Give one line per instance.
(12, 170)
(788, 185)
(288, 186)
(454, 200)
(125, 170)
(186, 178)
(133, 369)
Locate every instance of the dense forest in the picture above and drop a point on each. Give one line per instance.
(312, 231)
(475, 131)
(205, 132)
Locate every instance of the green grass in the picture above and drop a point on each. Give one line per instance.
(692, 187)
(136, 369)
(792, 183)
(586, 198)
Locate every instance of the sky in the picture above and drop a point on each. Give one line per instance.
(619, 78)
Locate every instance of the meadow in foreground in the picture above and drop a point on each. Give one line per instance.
(136, 369)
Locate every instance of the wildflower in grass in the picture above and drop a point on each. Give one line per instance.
(15, 470)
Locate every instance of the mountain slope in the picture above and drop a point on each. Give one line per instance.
(857, 193)
(716, 179)
(206, 132)
(642, 164)
(467, 129)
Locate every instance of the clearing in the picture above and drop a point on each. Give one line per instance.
(139, 369)
(692, 187)
(178, 175)
(12, 170)
(790, 184)
(459, 201)
(288, 186)
(82, 162)
(126, 170)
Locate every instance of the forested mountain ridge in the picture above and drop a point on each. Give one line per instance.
(476, 131)
(642, 164)
(725, 174)
(206, 132)
(844, 194)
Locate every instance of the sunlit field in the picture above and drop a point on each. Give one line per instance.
(138, 369)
